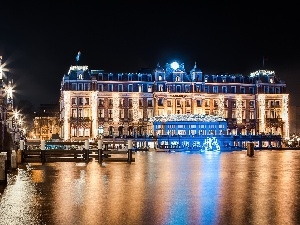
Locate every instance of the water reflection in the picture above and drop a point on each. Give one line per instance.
(159, 188)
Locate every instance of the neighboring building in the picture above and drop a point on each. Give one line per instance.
(94, 103)
(294, 113)
(46, 123)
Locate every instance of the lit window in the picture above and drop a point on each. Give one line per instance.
(160, 87)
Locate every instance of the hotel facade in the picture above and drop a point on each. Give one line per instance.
(97, 104)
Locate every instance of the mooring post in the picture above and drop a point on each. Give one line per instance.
(86, 146)
(13, 160)
(129, 143)
(20, 152)
(100, 150)
(43, 145)
(250, 149)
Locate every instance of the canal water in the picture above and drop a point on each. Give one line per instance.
(158, 188)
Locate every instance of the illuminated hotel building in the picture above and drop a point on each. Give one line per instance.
(96, 103)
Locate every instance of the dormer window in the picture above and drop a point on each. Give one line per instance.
(80, 77)
(205, 78)
(271, 80)
(140, 86)
(159, 77)
(120, 77)
(160, 87)
(178, 78)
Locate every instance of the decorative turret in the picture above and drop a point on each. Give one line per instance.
(196, 74)
(160, 74)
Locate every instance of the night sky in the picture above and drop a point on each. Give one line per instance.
(39, 40)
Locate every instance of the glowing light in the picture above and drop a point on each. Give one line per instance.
(78, 56)
(94, 112)
(1, 70)
(239, 107)
(115, 107)
(210, 144)
(221, 106)
(67, 111)
(135, 107)
(186, 117)
(174, 65)
(262, 72)
(262, 108)
(78, 68)
(16, 114)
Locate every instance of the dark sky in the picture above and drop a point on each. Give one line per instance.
(39, 40)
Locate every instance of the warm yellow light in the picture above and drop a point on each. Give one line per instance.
(239, 107)
(67, 109)
(135, 108)
(285, 114)
(94, 113)
(116, 107)
(221, 106)
(262, 112)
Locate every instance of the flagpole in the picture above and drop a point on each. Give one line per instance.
(263, 62)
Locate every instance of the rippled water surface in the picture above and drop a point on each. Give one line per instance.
(158, 188)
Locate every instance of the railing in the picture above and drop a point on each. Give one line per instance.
(84, 155)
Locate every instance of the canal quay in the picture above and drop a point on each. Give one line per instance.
(158, 188)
